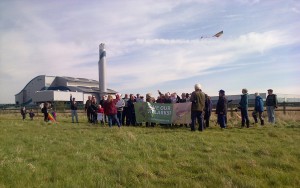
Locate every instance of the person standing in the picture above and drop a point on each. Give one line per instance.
(198, 103)
(258, 109)
(125, 109)
(110, 110)
(120, 105)
(93, 110)
(221, 109)
(23, 112)
(100, 115)
(131, 113)
(73, 109)
(31, 114)
(101, 102)
(87, 108)
(271, 103)
(207, 110)
(244, 108)
(45, 111)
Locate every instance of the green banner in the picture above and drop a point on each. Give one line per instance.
(178, 113)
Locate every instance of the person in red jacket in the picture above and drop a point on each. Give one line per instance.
(100, 114)
(110, 110)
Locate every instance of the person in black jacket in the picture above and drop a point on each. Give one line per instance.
(93, 110)
(271, 103)
(73, 108)
(88, 103)
(45, 111)
(207, 110)
(131, 113)
(221, 109)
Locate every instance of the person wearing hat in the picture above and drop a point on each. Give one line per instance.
(198, 103)
(271, 103)
(244, 108)
(221, 109)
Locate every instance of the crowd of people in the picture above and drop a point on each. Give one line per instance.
(119, 111)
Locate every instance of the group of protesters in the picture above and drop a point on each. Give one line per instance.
(119, 111)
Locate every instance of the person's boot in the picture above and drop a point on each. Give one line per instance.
(248, 123)
(243, 124)
(262, 122)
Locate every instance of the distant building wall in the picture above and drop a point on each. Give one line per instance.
(36, 84)
(54, 88)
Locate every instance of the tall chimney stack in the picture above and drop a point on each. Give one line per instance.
(102, 69)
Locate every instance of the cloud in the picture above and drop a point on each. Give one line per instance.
(193, 58)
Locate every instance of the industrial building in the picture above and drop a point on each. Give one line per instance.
(58, 88)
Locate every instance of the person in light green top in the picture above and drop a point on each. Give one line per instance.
(198, 104)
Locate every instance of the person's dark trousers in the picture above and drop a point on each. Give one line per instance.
(197, 115)
(133, 119)
(254, 115)
(222, 120)
(124, 115)
(245, 118)
(119, 115)
(94, 117)
(148, 124)
(89, 115)
(46, 117)
(128, 117)
(206, 119)
(260, 115)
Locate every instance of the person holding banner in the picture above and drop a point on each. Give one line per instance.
(198, 103)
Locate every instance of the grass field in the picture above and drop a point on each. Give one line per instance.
(39, 154)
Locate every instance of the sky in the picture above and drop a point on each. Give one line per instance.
(153, 45)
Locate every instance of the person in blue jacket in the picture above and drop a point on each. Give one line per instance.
(258, 109)
(244, 108)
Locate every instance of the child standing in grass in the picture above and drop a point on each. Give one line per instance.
(100, 114)
(31, 114)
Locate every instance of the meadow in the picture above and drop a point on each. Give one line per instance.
(39, 154)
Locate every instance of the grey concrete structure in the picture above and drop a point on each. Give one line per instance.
(102, 69)
(58, 88)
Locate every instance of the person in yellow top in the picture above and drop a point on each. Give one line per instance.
(198, 104)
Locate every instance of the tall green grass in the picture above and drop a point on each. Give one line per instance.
(39, 154)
